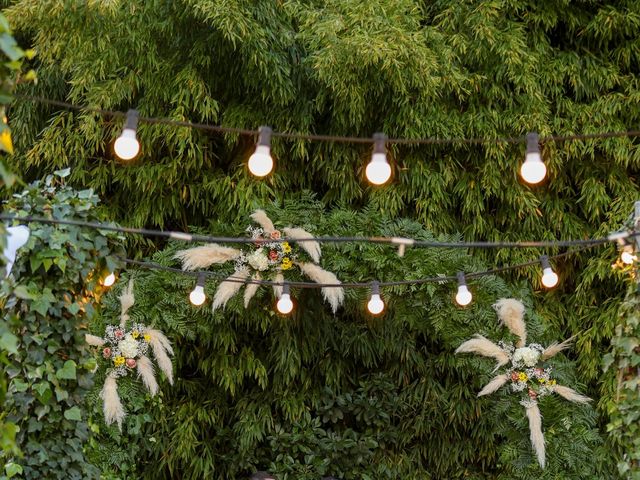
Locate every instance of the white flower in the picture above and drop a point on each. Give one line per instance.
(525, 355)
(258, 260)
(128, 347)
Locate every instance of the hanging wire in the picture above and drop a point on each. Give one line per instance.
(324, 138)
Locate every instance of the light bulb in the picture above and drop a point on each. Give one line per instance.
(549, 277)
(197, 295)
(261, 162)
(378, 170)
(285, 305)
(127, 146)
(375, 304)
(17, 237)
(627, 256)
(533, 169)
(464, 296)
(109, 280)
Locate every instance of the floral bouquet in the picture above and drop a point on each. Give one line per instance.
(527, 374)
(125, 351)
(269, 256)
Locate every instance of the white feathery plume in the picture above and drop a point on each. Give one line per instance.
(312, 248)
(251, 289)
(277, 289)
(206, 255)
(556, 348)
(112, 407)
(333, 295)
(126, 302)
(485, 347)
(495, 383)
(535, 429)
(161, 337)
(260, 217)
(570, 394)
(158, 343)
(145, 371)
(511, 314)
(229, 287)
(93, 340)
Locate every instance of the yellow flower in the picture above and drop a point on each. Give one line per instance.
(522, 377)
(541, 380)
(552, 382)
(135, 334)
(147, 337)
(118, 361)
(286, 248)
(286, 263)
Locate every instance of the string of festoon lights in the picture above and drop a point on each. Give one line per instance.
(378, 171)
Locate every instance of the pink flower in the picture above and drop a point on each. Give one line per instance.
(275, 235)
(106, 352)
(273, 255)
(538, 372)
(131, 362)
(532, 395)
(514, 376)
(119, 333)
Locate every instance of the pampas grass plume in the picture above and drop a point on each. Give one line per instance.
(251, 289)
(277, 289)
(511, 314)
(485, 347)
(127, 300)
(312, 248)
(93, 340)
(228, 289)
(556, 348)
(333, 295)
(495, 383)
(261, 218)
(535, 431)
(145, 371)
(112, 407)
(205, 256)
(570, 394)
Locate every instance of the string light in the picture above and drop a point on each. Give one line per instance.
(628, 255)
(463, 297)
(109, 280)
(260, 162)
(376, 304)
(197, 295)
(378, 170)
(285, 305)
(549, 277)
(127, 145)
(533, 169)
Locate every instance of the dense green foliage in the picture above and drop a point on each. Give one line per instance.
(353, 396)
(405, 67)
(47, 303)
(625, 406)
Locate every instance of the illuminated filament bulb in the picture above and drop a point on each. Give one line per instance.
(628, 255)
(260, 162)
(463, 297)
(197, 295)
(549, 277)
(376, 304)
(285, 305)
(533, 169)
(127, 145)
(109, 280)
(378, 170)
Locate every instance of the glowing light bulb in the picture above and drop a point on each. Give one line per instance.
(127, 146)
(285, 305)
(378, 170)
(197, 295)
(261, 162)
(464, 296)
(109, 280)
(549, 277)
(628, 256)
(375, 304)
(533, 169)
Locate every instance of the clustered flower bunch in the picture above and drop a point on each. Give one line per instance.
(527, 373)
(267, 254)
(270, 257)
(123, 348)
(125, 351)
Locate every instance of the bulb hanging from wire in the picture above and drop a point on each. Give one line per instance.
(127, 145)
(260, 162)
(376, 304)
(533, 169)
(378, 170)
(549, 277)
(464, 296)
(197, 295)
(285, 305)
(109, 280)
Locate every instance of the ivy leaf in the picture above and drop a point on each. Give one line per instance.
(68, 371)
(19, 385)
(21, 291)
(43, 302)
(73, 414)
(65, 172)
(12, 469)
(9, 342)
